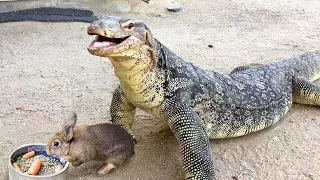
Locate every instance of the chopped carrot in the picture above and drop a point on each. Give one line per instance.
(58, 168)
(16, 166)
(28, 155)
(35, 167)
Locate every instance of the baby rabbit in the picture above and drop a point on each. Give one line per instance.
(80, 144)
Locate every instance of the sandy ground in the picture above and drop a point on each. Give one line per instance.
(46, 72)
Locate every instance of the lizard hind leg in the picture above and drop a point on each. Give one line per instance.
(305, 92)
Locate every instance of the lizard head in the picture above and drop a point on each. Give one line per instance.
(119, 37)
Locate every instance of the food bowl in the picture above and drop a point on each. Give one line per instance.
(39, 149)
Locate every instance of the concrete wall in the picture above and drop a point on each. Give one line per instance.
(93, 5)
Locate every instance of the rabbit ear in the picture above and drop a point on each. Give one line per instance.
(69, 126)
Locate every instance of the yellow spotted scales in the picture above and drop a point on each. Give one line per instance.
(198, 104)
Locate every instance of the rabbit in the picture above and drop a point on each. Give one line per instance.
(79, 144)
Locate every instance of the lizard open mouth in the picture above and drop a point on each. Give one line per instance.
(105, 42)
(109, 44)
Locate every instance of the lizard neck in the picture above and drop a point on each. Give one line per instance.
(140, 81)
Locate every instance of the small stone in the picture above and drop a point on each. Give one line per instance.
(161, 15)
(210, 46)
(276, 139)
(174, 8)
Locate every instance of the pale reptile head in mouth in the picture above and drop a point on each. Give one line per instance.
(117, 36)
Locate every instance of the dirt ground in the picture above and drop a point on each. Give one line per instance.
(46, 72)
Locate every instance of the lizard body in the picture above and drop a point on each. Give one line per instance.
(198, 104)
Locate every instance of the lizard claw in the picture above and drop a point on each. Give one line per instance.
(134, 139)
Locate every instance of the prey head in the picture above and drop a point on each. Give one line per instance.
(118, 37)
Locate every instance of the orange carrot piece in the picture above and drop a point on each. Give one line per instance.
(16, 166)
(28, 155)
(58, 168)
(35, 167)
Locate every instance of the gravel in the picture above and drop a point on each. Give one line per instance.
(47, 168)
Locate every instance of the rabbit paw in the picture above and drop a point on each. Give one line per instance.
(65, 159)
(106, 168)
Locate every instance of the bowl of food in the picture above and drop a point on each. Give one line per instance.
(30, 162)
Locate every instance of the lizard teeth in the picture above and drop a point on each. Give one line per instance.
(102, 44)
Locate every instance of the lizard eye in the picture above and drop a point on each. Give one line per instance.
(129, 26)
(56, 144)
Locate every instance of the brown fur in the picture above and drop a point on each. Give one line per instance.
(79, 144)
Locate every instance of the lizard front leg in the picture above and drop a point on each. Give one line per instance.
(193, 141)
(122, 111)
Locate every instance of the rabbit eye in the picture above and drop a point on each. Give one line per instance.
(56, 144)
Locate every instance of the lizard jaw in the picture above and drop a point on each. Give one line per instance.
(105, 42)
(105, 46)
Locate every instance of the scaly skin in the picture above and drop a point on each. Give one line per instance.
(198, 104)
